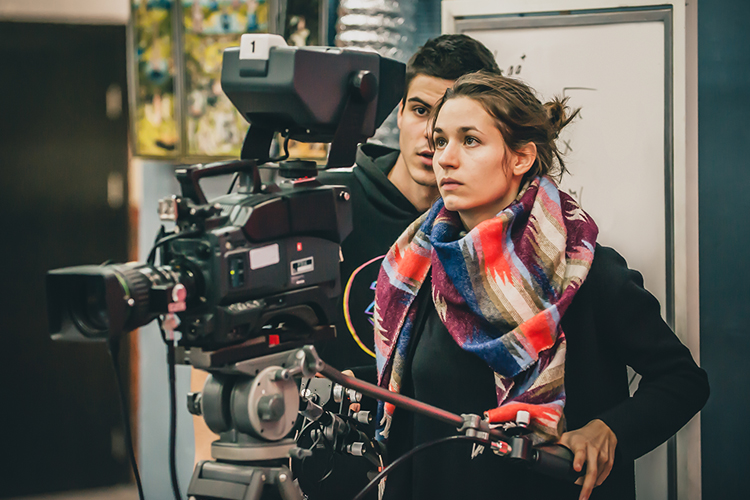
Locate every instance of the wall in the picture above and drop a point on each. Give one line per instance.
(724, 133)
(66, 11)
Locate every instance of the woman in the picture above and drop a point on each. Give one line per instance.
(499, 299)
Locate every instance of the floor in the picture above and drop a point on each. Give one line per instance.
(120, 492)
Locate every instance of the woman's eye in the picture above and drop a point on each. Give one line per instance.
(470, 141)
(440, 142)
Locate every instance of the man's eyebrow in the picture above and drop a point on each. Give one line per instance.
(420, 101)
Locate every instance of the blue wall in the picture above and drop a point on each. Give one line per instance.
(724, 169)
(153, 404)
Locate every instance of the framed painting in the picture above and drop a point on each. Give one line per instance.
(153, 100)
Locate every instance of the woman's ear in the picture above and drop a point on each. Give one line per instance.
(524, 159)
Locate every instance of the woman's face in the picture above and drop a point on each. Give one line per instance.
(477, 175)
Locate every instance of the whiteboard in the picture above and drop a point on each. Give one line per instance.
(617, 67)
(616, 150)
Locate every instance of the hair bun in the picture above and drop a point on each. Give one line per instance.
(557, 114)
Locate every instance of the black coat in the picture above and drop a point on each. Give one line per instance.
(612, 323)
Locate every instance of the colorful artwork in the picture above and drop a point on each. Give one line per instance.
(303, 22)
(214, 126)
(156, 127)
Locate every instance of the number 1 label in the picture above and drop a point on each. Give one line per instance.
(258, 45)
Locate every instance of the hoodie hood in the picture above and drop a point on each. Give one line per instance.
(375, 163)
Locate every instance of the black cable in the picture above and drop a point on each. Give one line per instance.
(114, 351)
(234, 181)
(173, 421)
(161, 240)
(286, 150)
(406, 456)
(152, 254)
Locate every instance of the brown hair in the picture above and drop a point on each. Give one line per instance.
(521, 118)
(449, 57)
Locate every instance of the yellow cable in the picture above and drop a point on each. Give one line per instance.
(347, 316)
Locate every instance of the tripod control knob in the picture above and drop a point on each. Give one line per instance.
(363, 417)
(271, 408)
(356, 449)
(194, 403)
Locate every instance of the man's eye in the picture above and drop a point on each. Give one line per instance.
(420, 111)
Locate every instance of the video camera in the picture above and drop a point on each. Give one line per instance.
(234, 264)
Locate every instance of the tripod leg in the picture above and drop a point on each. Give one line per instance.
(255, 487)
(287, 487)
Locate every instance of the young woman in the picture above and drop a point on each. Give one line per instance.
(499, 299)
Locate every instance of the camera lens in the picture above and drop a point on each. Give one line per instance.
(88, 308)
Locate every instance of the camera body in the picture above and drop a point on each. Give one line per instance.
(239, 262)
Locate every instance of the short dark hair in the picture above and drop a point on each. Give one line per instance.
(519, 115)
(449, 57)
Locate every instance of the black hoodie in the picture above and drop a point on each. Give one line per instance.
(380, 214)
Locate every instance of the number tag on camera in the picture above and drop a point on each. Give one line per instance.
(258, 45)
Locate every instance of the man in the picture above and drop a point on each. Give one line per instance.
(391, 188)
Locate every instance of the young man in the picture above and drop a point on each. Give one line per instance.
(391, 188)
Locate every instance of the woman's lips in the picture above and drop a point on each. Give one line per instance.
(448, 184)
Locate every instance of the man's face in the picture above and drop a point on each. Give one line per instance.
(424, 92)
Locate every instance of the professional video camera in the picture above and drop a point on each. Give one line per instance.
(234, 263)
(249, 279)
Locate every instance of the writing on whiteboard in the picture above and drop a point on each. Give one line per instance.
(577, 194)
(513, 69)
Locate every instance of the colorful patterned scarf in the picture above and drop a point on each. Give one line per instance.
(500, 289)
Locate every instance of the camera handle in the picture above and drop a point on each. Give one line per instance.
(189, 177)
(363, 88)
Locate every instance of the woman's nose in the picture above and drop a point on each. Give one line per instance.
(447, 157)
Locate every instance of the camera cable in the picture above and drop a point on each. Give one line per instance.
(169, 342)
(406, 456)
(114, 351)
(166, 239)
(172, 417)
(271, 160)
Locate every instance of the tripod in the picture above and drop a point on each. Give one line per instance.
(219, 480)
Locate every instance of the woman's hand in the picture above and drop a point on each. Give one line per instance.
(594, 444)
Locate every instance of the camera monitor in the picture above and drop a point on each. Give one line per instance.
(311, 94)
